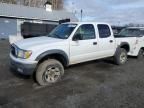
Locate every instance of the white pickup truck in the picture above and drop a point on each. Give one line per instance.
(67, 44)
(134, 37)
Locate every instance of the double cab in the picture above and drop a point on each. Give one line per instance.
(68, 44)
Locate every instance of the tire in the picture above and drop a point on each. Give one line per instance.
(140, 54)
(120, 57)
(49, 72)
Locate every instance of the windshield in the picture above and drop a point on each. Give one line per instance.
(130, 32)
(62, 31)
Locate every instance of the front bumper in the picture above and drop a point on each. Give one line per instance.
(22, 66)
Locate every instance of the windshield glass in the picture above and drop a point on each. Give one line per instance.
(62, 31)
(130, 32)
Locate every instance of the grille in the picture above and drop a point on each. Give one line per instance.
(13, 50)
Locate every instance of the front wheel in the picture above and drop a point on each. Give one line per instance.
(120, 56)
(49, 72)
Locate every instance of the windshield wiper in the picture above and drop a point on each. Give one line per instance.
(54, 36)
(57, 36)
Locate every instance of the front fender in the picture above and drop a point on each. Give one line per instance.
(51, 52)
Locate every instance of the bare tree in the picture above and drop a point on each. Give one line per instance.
(57, 4)
(60, 4)
(33, 3)
(8, 1)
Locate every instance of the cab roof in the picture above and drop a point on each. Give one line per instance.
(135, 27)
(87, 23)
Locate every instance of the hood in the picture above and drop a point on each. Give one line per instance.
(37, 41)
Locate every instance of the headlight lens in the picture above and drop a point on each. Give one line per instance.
(23, 53)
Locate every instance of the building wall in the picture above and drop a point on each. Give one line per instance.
(8, 27)
(12, 27)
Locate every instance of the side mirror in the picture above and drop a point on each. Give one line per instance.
(77, 37)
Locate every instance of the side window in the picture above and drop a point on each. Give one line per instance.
(104, 31)
(86, 31)
(142, 32)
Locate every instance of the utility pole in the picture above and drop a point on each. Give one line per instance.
(118, 23)
(81, 14)
(73, 7)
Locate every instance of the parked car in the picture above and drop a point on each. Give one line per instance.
(134, 36)
(117, 29)
(67, 44)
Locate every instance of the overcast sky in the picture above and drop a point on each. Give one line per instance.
(112, 11)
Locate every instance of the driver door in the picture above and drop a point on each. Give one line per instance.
(85, 47)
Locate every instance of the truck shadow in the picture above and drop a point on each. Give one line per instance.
(18, 74)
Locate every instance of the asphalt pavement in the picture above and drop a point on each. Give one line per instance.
(96, 84)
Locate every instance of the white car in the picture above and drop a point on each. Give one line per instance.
(67, 44)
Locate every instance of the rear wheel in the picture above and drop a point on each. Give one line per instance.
(49, 72)
(141, 54)
(120, 56)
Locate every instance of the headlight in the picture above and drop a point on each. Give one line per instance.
(23, 53)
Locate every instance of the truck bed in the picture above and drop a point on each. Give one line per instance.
(135, 43)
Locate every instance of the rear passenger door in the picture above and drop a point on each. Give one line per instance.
(106, 40)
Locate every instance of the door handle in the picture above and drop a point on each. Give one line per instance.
(111, 41)
(94, 43)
